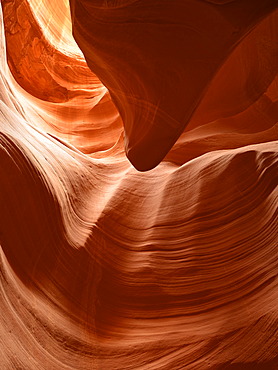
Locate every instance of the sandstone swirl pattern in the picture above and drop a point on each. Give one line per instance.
(103, 266)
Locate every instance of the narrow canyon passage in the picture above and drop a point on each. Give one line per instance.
(138, 184)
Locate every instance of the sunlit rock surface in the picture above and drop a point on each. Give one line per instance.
(103, 266)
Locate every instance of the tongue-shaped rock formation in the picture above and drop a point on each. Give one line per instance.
(158, 58)
(107, 267)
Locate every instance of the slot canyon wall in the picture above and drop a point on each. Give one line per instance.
(138, 184)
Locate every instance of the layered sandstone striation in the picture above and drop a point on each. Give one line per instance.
(173, 266)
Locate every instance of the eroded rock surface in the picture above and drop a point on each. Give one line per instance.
(104, 266)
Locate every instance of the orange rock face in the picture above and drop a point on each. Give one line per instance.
(138, 184)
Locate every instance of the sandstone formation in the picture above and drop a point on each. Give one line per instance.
(138, 184)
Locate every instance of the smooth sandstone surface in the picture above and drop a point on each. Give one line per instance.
(138, 184)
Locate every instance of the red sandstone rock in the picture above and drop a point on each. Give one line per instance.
(106, 267)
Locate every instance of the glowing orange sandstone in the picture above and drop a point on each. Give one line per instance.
(106, 267)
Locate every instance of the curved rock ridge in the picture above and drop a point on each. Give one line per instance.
(107, 267)
(58, 87)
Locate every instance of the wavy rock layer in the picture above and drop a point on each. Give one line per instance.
(105, 267)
